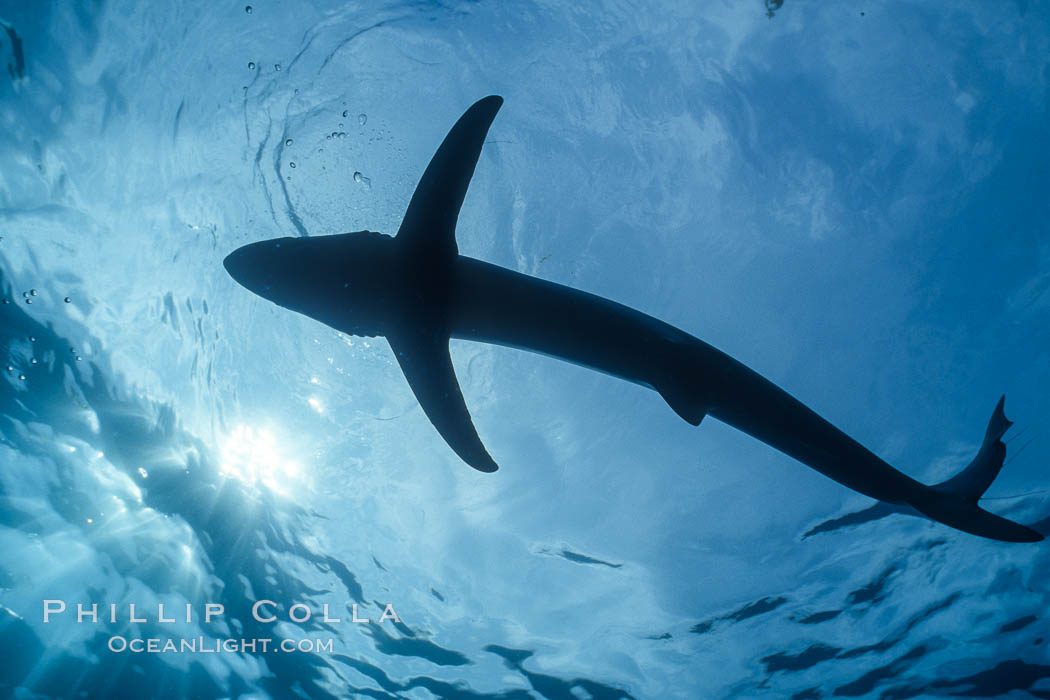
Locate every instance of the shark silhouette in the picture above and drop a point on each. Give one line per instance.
(418, 291)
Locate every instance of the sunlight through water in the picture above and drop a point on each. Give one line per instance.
(255, 457)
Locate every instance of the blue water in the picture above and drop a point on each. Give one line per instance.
(849, 197)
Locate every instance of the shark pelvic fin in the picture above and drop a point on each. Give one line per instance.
(683, 402)
(430, 220)
(425, 360)
(679, 394)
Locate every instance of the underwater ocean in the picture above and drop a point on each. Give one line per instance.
(205, 495)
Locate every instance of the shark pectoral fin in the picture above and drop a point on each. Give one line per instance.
(430, 221)
(425, 360)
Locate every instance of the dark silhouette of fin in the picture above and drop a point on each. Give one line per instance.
(678, 359)
(684, 402)
(427, 241)
(430, 220)
(979, 474)
(425, 360)
(954, 501)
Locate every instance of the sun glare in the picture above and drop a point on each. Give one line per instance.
(253, 455)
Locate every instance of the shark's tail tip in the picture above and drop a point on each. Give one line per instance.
(954, 502)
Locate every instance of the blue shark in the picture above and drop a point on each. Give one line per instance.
(417, 291)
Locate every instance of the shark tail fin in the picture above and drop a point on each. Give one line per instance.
(954, 501)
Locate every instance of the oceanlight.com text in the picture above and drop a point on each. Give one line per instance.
(205, 645)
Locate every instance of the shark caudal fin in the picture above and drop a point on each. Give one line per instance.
(427, 247)
(954, 501)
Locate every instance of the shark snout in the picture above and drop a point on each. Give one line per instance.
(251, 267)
(263, 267)
(234, 264)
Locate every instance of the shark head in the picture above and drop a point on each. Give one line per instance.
(340, 280)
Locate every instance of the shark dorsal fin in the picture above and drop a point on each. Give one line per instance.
(425, 360)
(430, 220)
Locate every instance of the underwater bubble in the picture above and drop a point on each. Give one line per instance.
(362, 119)
(29, 301)
(251, 65)
(10, 368)
(73, 351)
(357, 176)
(277, 67)
(22, 377)
(32, 360)
(7, 301)
(32, 292)
(78, 358)
(247, 9)
(328, 137)
(288, 142)
(334, 134)
(346, 112)
(292, 164)
(32, 339)
(25, 294)
(68, 300)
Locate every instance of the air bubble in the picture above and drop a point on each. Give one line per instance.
(288, 142)
(362, 119)
(277, 67)
(32, 339)
(29, 301)
(7, 301)
(22, 377)
(32, 360)
(247, 9)
(78, 358)
(346, 112)
(292, 164)
(10, 368)
(251, 65)
(68, 300)
(357, 176)
(32, 292)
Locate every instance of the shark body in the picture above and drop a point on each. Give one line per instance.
(418, 291)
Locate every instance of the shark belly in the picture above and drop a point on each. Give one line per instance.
(495, 305)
